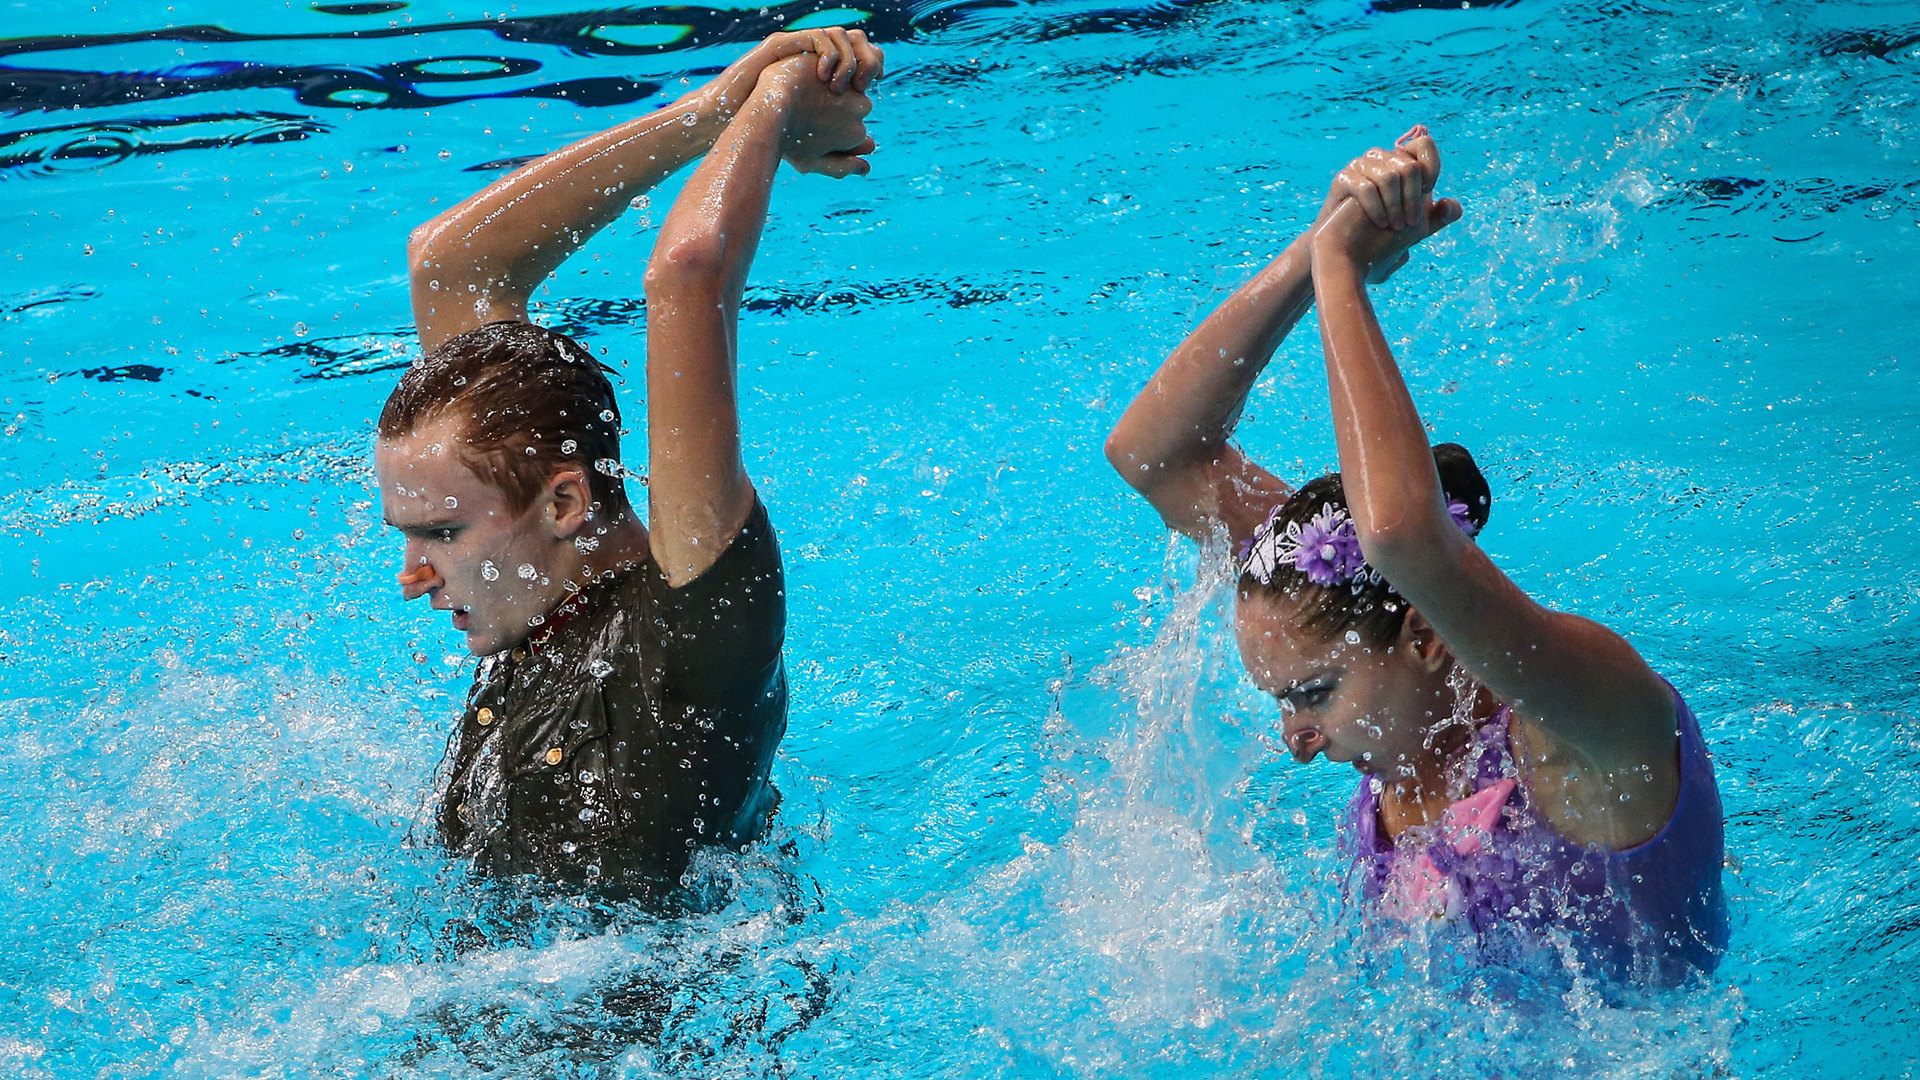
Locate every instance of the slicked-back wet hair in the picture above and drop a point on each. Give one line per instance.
(1371, 608)
(524, 401)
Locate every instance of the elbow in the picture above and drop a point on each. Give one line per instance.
(422, 252)
(1123, 453)
(1118, 454)
(684, 263)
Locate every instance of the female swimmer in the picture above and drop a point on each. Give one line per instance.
(1524, 770)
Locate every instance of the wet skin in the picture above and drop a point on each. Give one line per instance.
(1387, 712)
(459, 529)
(1390, 714)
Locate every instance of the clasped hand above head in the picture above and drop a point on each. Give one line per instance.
(826, 130)
(842, 59)
(818, 80)
(1381, 205)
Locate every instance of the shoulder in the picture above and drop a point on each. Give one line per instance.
(749, 560)
(1617, 798)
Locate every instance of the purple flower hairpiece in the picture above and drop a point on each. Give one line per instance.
(1325, 549)
(1462, 517)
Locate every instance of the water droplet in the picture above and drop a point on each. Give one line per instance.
(569, 447)
(531, 451)
(599, 669)
(299, 329)
(1353, 637)
(586, 544)
(489, 571)
(527, 572)
(446, 155)
(451, 502)
(639, 202)
(607, 415)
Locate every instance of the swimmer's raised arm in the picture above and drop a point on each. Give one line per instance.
(1172, 444)
(479, 262)
(698, 490)
(1589, 690)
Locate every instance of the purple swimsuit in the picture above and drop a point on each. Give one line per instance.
(1650, 912)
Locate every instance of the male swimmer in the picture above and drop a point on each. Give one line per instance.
(1524, 770)
(632, 691)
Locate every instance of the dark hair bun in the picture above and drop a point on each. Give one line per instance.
(1460, 478)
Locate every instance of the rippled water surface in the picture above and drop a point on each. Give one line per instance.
(1035, 824)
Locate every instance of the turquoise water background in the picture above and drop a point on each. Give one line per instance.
(1035, 823)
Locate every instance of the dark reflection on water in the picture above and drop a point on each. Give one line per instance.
(95, 144)
(399, 84)
(351, 355)
(242, 62)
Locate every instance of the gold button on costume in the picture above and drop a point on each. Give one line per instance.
(553, 756)
(485, 717)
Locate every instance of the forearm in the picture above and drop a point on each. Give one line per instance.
(707, 243)
(698, 488)
(482, 259)
(1188, 410)
(1386, 463)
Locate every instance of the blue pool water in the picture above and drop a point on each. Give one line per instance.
(1035, 822)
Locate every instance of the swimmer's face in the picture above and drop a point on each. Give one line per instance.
(1370, 707)
(466, 549)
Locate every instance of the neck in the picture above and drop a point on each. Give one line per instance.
(623, 546)
(1439, 774)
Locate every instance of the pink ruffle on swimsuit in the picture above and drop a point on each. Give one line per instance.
(1654, 911)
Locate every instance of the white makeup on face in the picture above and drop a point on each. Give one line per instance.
(465, 547)
(1342, 698)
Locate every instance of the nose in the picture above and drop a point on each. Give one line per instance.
(1305, 743)
(420, 578)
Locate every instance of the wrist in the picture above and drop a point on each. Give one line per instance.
(1331, 252)
(1302, 247)
(1336, 265)
(710, 108)
(770, 105)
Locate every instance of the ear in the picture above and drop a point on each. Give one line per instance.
(569, 503)
(1421, 644)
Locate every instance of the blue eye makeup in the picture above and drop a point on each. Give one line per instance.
(1310, 693)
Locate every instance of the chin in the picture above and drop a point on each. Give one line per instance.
(1363, 763)
(479, 644)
